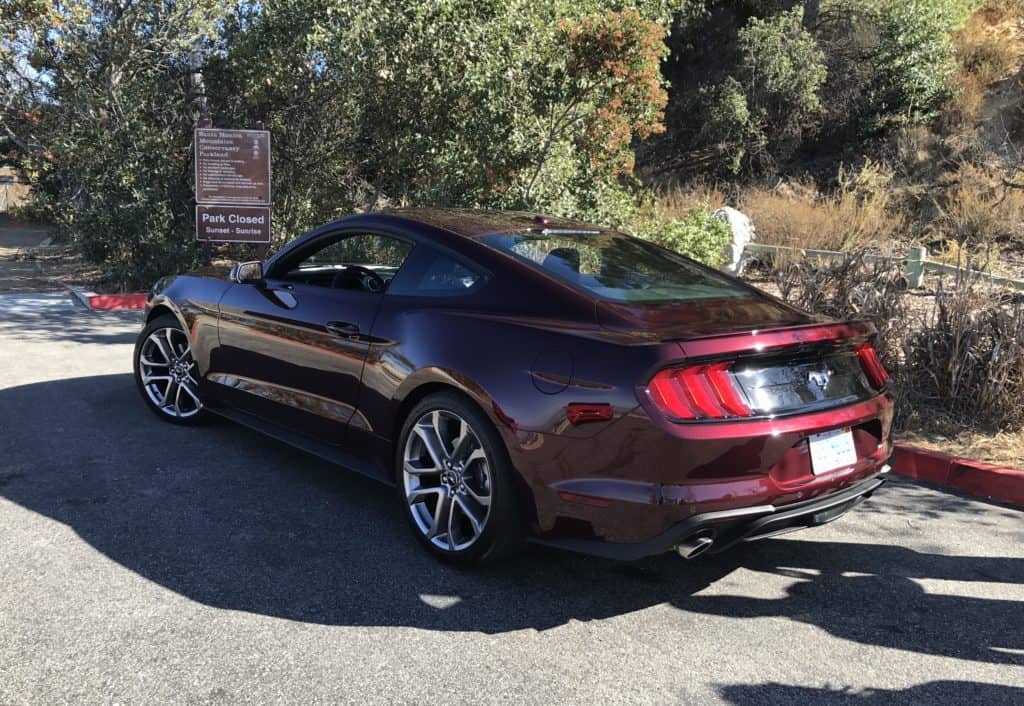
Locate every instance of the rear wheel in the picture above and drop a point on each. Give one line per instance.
(166, 374)
(456, 482)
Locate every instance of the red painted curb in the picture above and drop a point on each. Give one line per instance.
(117, 301)
(971, 477)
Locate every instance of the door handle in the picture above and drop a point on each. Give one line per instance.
(342, 328)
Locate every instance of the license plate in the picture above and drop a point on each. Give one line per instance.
(831, 450)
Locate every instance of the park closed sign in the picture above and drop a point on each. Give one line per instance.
(232, 185)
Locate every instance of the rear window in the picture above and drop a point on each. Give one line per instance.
(616, 267)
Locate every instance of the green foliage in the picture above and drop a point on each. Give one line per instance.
(914, 58)
(728, 123)
(499, 103)
(97, 106)
(489, 103)
(759, 111)
(785, 75)
(781, 68)
(696, 234)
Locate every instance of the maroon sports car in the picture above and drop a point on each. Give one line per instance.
(523, 377)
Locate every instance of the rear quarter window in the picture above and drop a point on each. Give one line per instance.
(433, 273)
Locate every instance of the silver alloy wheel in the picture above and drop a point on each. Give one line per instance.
(446, 476)
(167, 372)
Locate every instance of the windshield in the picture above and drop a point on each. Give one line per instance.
(616, 267)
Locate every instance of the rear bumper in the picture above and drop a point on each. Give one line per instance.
(726, 528)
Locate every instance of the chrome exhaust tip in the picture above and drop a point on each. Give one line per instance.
(695, 545)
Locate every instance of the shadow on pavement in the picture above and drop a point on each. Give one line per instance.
(54, 317)
(936, 692)
(231, 519)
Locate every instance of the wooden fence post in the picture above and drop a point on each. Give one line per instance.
(916, 257)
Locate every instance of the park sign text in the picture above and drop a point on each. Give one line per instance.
(232, 224)
(232, 185)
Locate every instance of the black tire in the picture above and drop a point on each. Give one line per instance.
(502, 532)
(186, 417)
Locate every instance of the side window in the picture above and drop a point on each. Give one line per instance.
(368, 250)
(361, 261)
(432, 273)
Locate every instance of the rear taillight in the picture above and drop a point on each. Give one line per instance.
(698, 392)
(873, 367)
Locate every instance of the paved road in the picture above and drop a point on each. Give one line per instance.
(141, 562)
(17, 272)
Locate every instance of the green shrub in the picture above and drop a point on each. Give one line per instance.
(914, 59)
(728, 124)
(760, 112)
(781, 69)
(696, 235)
(495, 103)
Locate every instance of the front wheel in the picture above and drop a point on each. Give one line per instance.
(456, 482)
(166, 374)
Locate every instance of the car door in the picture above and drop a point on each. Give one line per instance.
(292, 346)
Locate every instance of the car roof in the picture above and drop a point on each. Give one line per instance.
(470, 222)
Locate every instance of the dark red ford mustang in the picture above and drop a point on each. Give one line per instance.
(517, 376)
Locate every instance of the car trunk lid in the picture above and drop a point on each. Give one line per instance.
(688, 319)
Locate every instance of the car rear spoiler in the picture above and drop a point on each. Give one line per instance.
(757, 341)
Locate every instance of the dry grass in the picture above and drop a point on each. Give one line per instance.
(918, 153)
(977, 257)
(957, 363)
(965, 107)
(854, 216)
(988, 49)
(977, 211)
(986, 46)
(677, 201)
(1002, 448)
(997, 11)
(965, 362)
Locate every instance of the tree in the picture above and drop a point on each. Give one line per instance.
(781, 70)
(499, 103)
(914, 57)
(97, 102)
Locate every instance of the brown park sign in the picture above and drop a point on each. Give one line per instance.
(233, 224)
(232, 166)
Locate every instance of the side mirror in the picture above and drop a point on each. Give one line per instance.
(247, 272)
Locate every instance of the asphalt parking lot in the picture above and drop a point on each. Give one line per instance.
(143, 562)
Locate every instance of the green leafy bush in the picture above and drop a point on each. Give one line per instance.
(98, 108)
(728, 123)
(781, 69)
(693, 232)
(914, 58)
(758, 113)
(696, 235)
(494, 103)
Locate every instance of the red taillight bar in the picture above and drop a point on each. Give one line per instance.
(873, 367)
(725, 388)
(698, 392)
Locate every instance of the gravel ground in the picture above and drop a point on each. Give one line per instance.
(143, 562)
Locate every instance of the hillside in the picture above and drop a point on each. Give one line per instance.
(949, 182)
